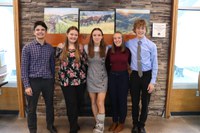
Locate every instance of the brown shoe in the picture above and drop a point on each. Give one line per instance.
(119, 128)
(112, 127)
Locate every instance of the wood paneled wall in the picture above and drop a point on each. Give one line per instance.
(55, 39)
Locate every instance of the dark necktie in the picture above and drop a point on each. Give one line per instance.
(139, 64)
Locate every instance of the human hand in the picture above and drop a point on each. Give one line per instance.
(61, 45)
(81, 48)
(150, 88)
(28, 91)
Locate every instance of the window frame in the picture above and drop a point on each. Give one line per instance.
(174, 21)
(20, 90)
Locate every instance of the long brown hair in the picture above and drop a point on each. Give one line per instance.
(122, 45)
(102, 47)
(64, 53)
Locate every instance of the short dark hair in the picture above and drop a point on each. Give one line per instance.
(40, 23)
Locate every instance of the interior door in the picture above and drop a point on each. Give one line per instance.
(183, 96)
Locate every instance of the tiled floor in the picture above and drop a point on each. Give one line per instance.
(155, 124)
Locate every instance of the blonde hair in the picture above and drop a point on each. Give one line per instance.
(140, 23)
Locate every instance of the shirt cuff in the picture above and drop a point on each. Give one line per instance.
(153, 81)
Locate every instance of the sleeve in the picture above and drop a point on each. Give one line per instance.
(86, 48)
(154, 61)
(108, 47)
(25, 59)
(84, 61)
(58, 52)
(52, 63)
(127, 44)
(107, 62)
(129, 56)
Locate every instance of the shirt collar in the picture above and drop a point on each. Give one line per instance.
(142, 39)
(37, 43)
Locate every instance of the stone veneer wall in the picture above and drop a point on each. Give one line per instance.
(160, 12)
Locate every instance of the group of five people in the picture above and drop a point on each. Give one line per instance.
(103, 68)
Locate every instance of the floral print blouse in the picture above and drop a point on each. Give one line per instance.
(72, 73)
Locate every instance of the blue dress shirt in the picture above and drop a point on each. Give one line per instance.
(148, 56)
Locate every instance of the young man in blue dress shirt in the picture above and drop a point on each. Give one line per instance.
(37, 69)
(144, 66)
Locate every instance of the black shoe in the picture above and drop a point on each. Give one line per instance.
(142, 130)
(52, 129)
(79, 128)
(135, 130)
(32, 131)
(73, 132)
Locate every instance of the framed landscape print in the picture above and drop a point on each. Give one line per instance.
(126, 17)
(59, 20)
(97, 19)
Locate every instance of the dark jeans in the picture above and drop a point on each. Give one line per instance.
(118, 91)
(73, 98)
(139, 91)
(46, 86)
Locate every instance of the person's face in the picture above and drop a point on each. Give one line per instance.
(97, 36)
(140, 31)
(40, 32)
(117, 39)
(72, 36)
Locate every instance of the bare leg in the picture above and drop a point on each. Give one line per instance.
(101, 102)
(93, 98)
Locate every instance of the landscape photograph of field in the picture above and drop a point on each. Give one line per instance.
(97, 19)
(126, 17)
(59, 20)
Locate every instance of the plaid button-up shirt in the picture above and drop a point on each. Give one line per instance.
(37, 61)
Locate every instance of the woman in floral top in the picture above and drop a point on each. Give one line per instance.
(72, 75)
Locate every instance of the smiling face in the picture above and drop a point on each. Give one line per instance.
(40, 32)
(140, 32)
(72, 36)
(117, 39)
(140, 28)
(97, 37)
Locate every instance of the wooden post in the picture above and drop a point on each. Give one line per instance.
(20, 91)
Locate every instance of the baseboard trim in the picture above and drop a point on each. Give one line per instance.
(184, 113)
(14, 112)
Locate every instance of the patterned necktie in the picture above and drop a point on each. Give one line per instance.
(139, 64)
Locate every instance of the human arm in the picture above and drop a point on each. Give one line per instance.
(84, 60)
(129, 56)
(81, 47)
(107, 61)
(52, 63)
(154, 63)
(59, 49)
(25, 70)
